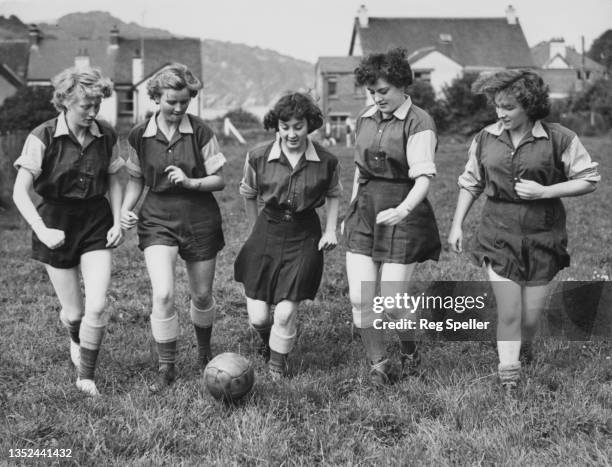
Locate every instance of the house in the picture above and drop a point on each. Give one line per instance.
(13, 66)
(564, 69)
(439, 50)
(128, 62)
(340, 98)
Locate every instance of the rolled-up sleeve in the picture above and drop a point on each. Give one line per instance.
(31, 157)
(577, 163)
(133, 163)
(212, 155)
(248, 183)
(116, 162)
(420, 152)
(471, 179)
(335, 187)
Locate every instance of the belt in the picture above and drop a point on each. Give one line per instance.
(286, 215)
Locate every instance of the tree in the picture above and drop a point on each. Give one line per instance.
(27, 109)
(467, 112)
(423, 95)
(601, 50)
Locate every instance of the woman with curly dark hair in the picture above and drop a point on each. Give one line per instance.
(281, 263)
(524, 166)
(390, 225)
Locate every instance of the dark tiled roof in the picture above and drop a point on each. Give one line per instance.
(14, 54)
(54, 55)
(337, 64)
(157, 53)
(541, 55)
(476, 42)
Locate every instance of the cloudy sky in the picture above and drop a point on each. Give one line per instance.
(307, 29)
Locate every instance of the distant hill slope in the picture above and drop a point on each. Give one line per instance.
(234, 75)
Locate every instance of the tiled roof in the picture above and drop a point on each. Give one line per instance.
(337, 64)
(54, 55)
(475, 42)
(14, 54)
(157, 53)
(541, 55)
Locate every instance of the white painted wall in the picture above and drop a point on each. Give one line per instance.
(108, 109)
(557, 62)
(444, 70)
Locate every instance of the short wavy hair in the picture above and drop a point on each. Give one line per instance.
(76, 82)
(527, 87)
(294, 105)
(174, 76)
(392, 66)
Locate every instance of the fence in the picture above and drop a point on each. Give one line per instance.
(10, 148)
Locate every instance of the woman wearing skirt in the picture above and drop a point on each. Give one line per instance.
(282, 261)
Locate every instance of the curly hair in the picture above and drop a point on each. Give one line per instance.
(74, 82)
(174, 76)
(294, 105)
(527, 87)
(393, 67)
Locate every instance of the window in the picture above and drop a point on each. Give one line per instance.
(424, 76)
(332, 87)
(125, 102)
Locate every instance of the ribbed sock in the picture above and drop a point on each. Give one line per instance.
(374, 343)
(87, 366)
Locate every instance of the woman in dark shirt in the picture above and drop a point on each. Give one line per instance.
(282, 261)
(175, 155)
(524, 166)
(72, 162)
(390, 225)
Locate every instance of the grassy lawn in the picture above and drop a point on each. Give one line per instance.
(327, 413)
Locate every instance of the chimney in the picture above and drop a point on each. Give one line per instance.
(114, 37)
(557, 47)
(137, 68)
(82, 59)
(34, 36)
(511, 15)
(362, 15)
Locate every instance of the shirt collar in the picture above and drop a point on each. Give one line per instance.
(400, 113)
(310, 154)
(537, 131)
(61, 129)
(151, 129)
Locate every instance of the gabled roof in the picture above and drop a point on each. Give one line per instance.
(425, 51)
(475, 42)
(53, 55)
(157, 53)
(337, 64)
(14, 55)
(541, 56)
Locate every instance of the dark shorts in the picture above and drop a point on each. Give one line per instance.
(524, 242)
(281, 260)
(191, 221)
(415, 239)
(85, 224)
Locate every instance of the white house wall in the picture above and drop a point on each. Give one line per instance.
(444, 70)
(108, 109)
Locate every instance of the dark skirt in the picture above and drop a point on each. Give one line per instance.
(415, 239)
(190, 220)
(85, 224)
(281, 260)
(524, 242)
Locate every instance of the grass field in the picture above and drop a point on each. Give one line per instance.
(327, 413)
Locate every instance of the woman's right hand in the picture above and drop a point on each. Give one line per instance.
(128, 220)
(455, 239)
(52, 238)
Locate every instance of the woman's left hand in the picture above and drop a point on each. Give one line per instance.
(528, 189)
(391, 216)
(114, 236)
(176, 175)
(328, 241)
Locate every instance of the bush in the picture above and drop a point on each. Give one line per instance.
(242, 119)
(423, 95)
(597, 98)
(27, 109)
(466, 113)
